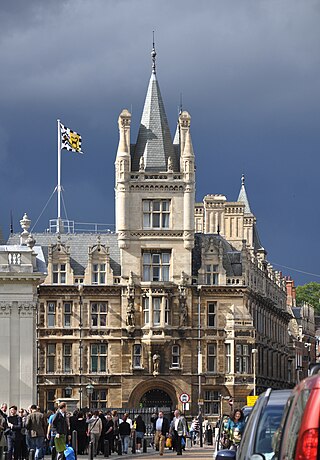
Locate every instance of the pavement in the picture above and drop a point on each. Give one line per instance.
(193, 453)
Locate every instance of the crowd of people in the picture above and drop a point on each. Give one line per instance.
(25, 429)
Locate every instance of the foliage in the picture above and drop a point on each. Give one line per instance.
(309, 293)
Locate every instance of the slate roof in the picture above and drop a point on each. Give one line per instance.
(154, 140)
(244, 199)
(78, 243)
(231, 259)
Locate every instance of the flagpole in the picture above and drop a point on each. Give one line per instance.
(59, 178)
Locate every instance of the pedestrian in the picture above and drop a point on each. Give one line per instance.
(36, 425)
(95, 428)
(3, 410)
(109, 431)
(2, 436)
(51, 432)
(234, 429)
(61, 425)
(124, 433)
(161, 429)
(14, 436)
(103, 432)
(115, 419)
(140, 429)
(81, 429)
(178, 430)
(24, 448)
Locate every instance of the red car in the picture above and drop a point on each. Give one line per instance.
(298, 436)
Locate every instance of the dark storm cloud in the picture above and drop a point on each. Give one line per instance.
(249, 73)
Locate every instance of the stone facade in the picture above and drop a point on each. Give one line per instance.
(181, 299)
(20, 273)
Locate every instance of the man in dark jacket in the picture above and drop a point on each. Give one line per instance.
(14, 436)
(60, 424)
(161, 429)
(36, 425)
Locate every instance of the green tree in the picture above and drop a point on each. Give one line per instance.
(309, 293)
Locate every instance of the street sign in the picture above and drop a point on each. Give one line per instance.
(251, 400)
(184, 398)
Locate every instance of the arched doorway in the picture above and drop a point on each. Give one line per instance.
(154, 393)
(156, 398)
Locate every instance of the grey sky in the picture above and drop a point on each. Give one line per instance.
(249, 73)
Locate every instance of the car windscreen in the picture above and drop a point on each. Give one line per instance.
(267, 426)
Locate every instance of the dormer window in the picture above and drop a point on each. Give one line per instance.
(156, 214)
(212, 274)
(59, 273)
(98, 273)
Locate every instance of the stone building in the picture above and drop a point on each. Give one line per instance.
(22, 269)
(180, 299)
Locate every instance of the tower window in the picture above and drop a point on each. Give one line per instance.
(156, 266)
(156, 213)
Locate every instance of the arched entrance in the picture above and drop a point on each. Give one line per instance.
(156, 398)
(154, 393)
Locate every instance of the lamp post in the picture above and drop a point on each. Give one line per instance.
(89, 389)
(254, 351)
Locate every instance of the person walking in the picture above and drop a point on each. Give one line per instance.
(14, 436)
(61, 426)
(95, 428)
(178, 430)
(36, 425)
(109, 431)
(234, 429)
(161, 429)
(124, 432)
(140, 428)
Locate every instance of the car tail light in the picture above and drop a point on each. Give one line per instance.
(308, 446)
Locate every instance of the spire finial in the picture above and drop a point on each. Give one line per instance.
(180, 107)
(242, 179)
(153, 55)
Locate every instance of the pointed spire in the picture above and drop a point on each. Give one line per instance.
(154, 140)
(188, 147)
(243, 197)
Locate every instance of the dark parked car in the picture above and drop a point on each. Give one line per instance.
(298, 437)
(263, 422)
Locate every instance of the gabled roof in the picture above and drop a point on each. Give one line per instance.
(154, 140)
(78, 243)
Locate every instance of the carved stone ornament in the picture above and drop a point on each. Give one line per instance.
(5, 309)
(26, 309)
